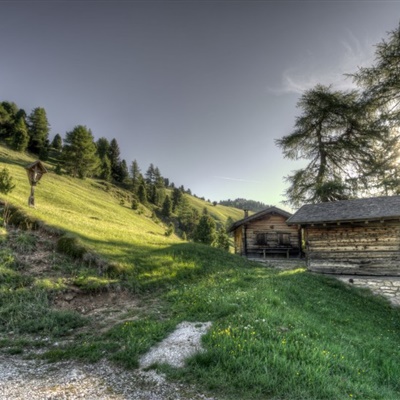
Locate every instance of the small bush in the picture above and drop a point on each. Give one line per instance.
(70, 245)
(6, 181)
(135, 204)
(170, 230)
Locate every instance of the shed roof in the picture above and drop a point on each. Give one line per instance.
(375, 208)
(259, 215)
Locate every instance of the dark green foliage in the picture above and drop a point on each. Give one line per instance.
(8, 116)
(58, 169)
(57, 142)
(142, 193)
(155, 186)
(121, 173)
(114, 157)
(136, 175)
(45, 151)
(103, 147)
(79, 153)
(229, 223)
(20, 136)
(205, 231)
(222, 239)
(39, 128)
(150, 175)
(177, 197)
(381, 96)
(170, 230)
(167, 207)
(188, 218)
(337, 138)
(244, 204)
(6, 181)
(135, 204)
(105, 169)
(71, 246)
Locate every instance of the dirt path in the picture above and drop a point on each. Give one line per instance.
(22, 379)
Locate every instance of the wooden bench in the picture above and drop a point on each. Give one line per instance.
(285, 251)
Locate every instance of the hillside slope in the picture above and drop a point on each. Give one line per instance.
(96, 211)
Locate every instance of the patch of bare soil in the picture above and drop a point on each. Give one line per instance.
(106, 308)
(36, 256)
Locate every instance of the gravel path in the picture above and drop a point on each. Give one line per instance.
(37, 380)
(22, 379)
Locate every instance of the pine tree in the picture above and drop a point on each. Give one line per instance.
(222, 239)
(9, 114)
(57, 142)
(150, 175)
(206, 229)
(20, 136)
(167, 207)
(105, 169)
(188, 217)
(121, 173)
(80, 153)
(114, 156)
(136, 175)
(142, 193)
(177, 197)
(103, 147)
(39, 128)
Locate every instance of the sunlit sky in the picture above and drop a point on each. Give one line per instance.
(198, 88)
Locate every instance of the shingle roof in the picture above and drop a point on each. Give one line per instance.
(375, 208)
(259, 215)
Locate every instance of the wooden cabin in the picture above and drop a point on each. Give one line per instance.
(266, 234)
(360, 237)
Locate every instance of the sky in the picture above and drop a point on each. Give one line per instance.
(201, 89)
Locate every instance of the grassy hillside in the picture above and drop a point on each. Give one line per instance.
(97, 212)
(219, 213)
(275, 334)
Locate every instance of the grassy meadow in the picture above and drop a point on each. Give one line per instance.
(275, 334)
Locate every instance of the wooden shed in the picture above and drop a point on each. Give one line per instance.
(360, 237)
(266, 234)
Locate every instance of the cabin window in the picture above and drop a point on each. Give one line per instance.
(261, 239)
(284, 239)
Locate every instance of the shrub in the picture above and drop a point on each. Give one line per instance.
(6, 181)
(70, 245)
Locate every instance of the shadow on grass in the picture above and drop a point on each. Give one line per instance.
(154, 267)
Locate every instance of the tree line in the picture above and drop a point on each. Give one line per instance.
(244, 204)
(350, 139)
(80, 156)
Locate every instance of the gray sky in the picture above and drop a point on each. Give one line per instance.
(198, 88)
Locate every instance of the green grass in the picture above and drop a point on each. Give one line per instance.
(275, 335)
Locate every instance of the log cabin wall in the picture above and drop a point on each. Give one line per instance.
(360, 248)
(269, 237)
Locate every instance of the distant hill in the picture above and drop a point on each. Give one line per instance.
(244, 204)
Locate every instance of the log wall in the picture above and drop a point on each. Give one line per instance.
(274, 228)
(359, 248)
